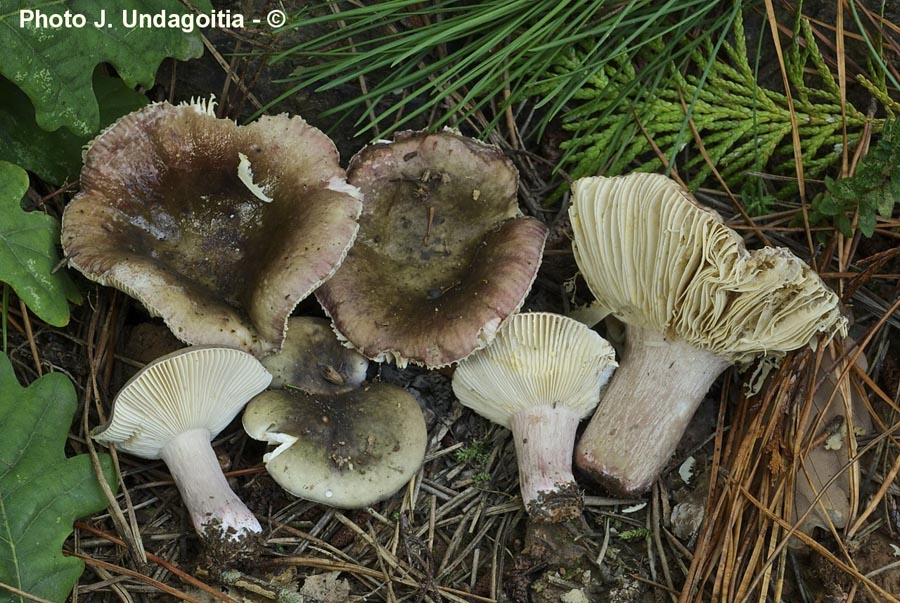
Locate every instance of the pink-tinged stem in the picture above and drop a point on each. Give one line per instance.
(545, 437)
(209, 499)
(645, 410)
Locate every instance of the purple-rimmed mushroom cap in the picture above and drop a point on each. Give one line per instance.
(443, 255)
(219, 229)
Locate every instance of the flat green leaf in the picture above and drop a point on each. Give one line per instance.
(866, 222)
(886, 199)
(41, 491)
(54, 66)
(28, 252)
(55, 156)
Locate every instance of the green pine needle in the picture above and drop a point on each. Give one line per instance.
(456, 59)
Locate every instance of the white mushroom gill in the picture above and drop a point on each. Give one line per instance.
(284, 441)
(172, 409)
(541, 375)
(695, 301)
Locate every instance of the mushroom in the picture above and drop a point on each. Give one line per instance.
(695, 301)
(443, 255)
(541, 376)
(171, 410)
(313, 360)
(219, 229)
(349, 450)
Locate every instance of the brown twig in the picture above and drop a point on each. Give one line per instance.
(160, 562)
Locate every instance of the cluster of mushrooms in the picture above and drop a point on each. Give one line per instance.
(417, 253)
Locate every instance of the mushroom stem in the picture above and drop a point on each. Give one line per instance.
(545, 436)
(645, 410)
(209, 499)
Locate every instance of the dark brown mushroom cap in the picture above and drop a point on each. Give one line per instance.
(443, 255)
(169, 214)
(314, 361)
(349, 451)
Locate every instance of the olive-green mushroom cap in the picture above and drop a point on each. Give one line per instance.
(443, 255)
(314, 361)
(348, 451)
(219, 229)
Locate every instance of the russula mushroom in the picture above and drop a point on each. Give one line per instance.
(314, 361)
(219, 229)
(540, 376)
(348, 450)
(443, 255)
(171, 410)
(694, 300)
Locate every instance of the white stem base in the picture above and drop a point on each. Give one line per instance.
(209, 499)
(544, 438)
(645, 410)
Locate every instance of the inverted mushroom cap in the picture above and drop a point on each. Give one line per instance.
(348, 450)
(314, 361)
(443, 255)
(538, 358)
(656, 259)
(219, 229)
(194, 388)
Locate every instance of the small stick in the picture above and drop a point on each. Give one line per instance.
(428, 228)
(22, 593)
(31, 342)
(137, 575)
(160, 562)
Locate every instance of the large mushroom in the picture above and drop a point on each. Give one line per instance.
(219, 229)
(695, 301)
(541, 376)
(172, 409)
(443, 255)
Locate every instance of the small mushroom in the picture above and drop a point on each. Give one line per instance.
(443, 256)
(695, 301)
(171, 410)
(314, 361)
(541, 376)
(349, 450)
(219, 229)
